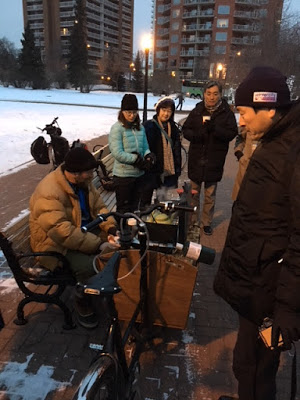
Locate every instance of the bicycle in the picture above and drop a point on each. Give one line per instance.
(53, 152)
(110, 377)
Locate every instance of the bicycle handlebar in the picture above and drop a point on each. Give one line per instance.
(164, 205)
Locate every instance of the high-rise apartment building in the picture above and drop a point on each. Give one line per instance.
(200, 39)
(109, 27)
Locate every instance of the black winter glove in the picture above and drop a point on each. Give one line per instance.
(151, 157)
(287, 323)
(239, 154)
(141, 163)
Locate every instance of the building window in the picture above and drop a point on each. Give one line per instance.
(161, 8)
(173, 51)
(222, 23)
(221, 36)
(176, 2)
(224, 10)
(160, 20)
(174, 38)
(220, 49)
(176, 13)
(175, 26)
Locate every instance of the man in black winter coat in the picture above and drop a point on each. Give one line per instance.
(259, 272)
(209, 128)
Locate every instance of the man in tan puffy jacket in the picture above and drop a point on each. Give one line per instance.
(63, 202)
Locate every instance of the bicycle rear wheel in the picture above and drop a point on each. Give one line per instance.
(101, 381)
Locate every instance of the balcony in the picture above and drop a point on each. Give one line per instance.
(196, 2)
(37, 26)
(163, 20)
(249, 2)
(93, 7)
(248, 41)
(36, 7)
(110, 22)
(202, 14)
(162, 43)
(163, 8)
(161, 55)
(246, 15)
(94, 35)
(67, 14)
(109, 40)
(188, 65)
(198, 27)
(194, 53)
(185, 40)
(246, 28)
(163, 32)
(66, 4)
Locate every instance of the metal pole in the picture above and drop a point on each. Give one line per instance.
(146, 85)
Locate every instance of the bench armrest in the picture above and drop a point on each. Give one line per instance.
(59, 256)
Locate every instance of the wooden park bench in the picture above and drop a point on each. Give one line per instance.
(36, 282)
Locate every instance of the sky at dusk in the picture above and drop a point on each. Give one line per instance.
(11, 20)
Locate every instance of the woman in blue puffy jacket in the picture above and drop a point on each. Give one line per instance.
(129, 147)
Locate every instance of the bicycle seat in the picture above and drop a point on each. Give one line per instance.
(105, 283)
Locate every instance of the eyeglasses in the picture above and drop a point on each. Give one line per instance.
(130, 112)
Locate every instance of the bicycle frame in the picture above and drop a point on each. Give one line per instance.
(109, 371)
(113, 352)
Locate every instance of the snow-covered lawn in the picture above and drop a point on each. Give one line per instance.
(81, 116)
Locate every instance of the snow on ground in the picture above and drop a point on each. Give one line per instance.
(81, 116)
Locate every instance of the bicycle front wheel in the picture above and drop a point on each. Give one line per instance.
(101, 382)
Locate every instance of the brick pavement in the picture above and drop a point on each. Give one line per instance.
(42, 361)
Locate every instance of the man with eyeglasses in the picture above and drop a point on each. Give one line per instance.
(209, 128)
(63, 202)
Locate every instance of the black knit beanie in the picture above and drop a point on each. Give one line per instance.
(79, 160)
(129, 102)
(264, 87)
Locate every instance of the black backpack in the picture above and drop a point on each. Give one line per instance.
(60, 147)
(39, 150)
(106, 181)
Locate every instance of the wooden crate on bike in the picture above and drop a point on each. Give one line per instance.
(171, 282)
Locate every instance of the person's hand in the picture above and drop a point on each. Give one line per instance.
(113, 240)
(139, 161)
(142, 163)
(151, 157)
(287, 323)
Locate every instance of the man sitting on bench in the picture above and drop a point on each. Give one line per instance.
(63, 202)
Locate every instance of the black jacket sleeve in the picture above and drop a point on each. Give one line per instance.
(193, 129)
(227, 130)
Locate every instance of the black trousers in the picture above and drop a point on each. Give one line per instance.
(254, 365)
(128, 193)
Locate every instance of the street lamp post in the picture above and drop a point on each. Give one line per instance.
(147, 42)
(131, 69)
(146, 85)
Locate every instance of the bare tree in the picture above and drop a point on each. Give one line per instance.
(111, 66)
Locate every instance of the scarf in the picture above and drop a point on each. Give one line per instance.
(212, 109)
(169, 168)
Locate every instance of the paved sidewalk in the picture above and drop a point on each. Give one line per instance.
(42, 361)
